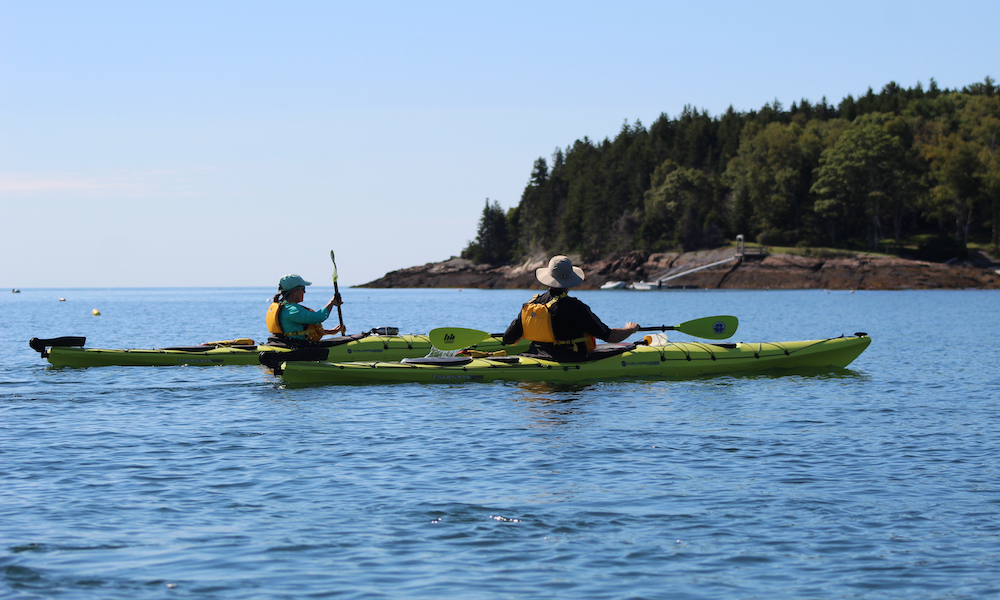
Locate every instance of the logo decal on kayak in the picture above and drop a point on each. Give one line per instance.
(449, 338)
(719, 327)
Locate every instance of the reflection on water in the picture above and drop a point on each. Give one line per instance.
(551, 403)
(548, 391)
(803, 374)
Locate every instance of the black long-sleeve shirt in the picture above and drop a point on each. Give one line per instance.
(571, 319)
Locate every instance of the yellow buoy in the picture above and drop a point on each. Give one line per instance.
(95, 312)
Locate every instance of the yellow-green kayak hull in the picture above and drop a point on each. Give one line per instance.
(678, 360)
(372, 347)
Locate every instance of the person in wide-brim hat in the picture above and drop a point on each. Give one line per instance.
(561, 327)
(560, 273)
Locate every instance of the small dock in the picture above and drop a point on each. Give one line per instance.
(659, 281)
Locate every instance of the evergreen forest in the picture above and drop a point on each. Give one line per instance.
(905, 170)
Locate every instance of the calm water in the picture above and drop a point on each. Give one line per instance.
(185, 482)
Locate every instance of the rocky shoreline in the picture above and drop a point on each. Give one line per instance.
(825, 270)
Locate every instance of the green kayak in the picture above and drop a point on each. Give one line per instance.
(69, 351)
(673, 360)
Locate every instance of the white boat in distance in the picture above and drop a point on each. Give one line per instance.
(613, 285)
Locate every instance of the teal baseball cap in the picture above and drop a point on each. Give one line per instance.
(291, 281)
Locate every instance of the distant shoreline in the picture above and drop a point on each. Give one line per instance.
(839, 271)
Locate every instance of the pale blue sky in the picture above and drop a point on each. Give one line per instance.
(228, 143)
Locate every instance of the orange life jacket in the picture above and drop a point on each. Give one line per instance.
(536, 322)
(313, 331)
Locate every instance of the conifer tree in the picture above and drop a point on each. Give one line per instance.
(492, 245)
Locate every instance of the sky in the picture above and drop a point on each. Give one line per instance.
(217, 144)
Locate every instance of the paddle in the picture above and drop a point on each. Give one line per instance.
(456, 338)
(336, 292)
(712, 328)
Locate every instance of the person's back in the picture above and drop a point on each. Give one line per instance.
(559, 326)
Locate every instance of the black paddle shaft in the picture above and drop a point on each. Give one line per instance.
(340, 315)
(658, 328)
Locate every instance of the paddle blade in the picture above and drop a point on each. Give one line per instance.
(455, 338)
(334, 259)
(711, 328)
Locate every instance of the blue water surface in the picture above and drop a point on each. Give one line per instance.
(878, 481)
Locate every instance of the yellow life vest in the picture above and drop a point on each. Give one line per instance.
(536, 322)
(313, 331)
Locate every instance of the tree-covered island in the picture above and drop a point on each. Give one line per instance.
(907, 172)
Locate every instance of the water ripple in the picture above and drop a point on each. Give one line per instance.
(879, 481)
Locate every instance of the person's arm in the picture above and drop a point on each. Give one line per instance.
(514, 332)
(620, 334)
(598, 329)
(303, 316)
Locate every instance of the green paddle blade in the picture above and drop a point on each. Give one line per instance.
(455, 338)
(334, 266)
(711, 328)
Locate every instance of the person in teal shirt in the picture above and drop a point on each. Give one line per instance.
(288, 318)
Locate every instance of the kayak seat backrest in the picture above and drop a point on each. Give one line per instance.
(438, 361)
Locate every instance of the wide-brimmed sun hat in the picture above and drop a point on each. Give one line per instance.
(291, 281)
(560, 273)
